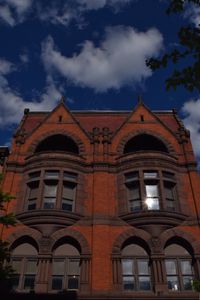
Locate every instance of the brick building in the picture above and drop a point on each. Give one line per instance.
(107, 204)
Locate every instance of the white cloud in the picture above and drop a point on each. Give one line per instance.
(12, 104)
(191, 110)
(119, 60)
(193, 14)
(57, 12)
(24, 58)
(13, 12)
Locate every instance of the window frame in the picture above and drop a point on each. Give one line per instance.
(161, 179)
(41, 178)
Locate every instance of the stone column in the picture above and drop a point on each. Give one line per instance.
(117, 273)
(42, 278)
(85, 274)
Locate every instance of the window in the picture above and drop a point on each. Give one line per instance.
(66, 268)
(51, 189)
(135, 268)
(150, 190)
(24, 263)
(179, 270)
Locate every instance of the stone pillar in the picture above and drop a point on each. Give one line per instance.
(117, 273)
(159, 275)
(42, 278)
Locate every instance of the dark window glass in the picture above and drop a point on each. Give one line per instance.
(57, 282)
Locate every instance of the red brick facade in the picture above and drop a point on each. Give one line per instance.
(108, 194)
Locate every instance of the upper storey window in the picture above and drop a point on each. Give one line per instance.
(49, 189)
(150, 190)
(144, 142)
(58, 142)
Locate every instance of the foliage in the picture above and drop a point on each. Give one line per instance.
(196, 285)
(189, 39)
(5, 220)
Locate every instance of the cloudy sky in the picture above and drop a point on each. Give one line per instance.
(91, 51)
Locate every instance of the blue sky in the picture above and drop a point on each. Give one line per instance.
(91, 51)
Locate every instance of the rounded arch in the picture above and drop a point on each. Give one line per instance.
(143, 140)
(25, 233)
(75, 141)
(72, 236)
(182, 238)
(22, 241)
(138, 236)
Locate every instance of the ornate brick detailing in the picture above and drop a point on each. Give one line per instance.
(179, 234)
(129, 234)
(20, 136)
(71, 135)
(85, 249)
(131, 135)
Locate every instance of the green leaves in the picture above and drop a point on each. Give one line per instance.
(189, 43)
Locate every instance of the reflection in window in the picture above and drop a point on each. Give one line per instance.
(135, 268)
(179, 269)
(66, 268)
(150, 190)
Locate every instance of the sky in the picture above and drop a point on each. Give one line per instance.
(93, 53)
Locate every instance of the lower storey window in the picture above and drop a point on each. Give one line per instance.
(65, 274)
(135, 268)
(179, 268)
(135, 274)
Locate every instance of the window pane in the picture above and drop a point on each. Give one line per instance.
(187, 282)
(152, 203)
(69, 190)
(49, 203)
(131, 176)
(127, 267)
(151, 190)
(16, 265)
(128, 283)
(133, 192)
(34, 175)
(58, 267)
(168, 175)
(73, 282)
(70, 176)
(74, 267)
(51, 174)
(31, 267)
(144, 283)
(135, 205)
(173, 283)
(170, 204)
(50, 188)
(186, 268)
(143, 268)
(57, 282)
(33, 189)
(67, 205)
(150, 174)
(170, 267)
(29, 282)
(31, 205)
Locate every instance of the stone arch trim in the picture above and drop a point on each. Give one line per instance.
(22, 232)
(71, 135)
(128, 234)
(65, 232)
(176, 232)
(130, 135)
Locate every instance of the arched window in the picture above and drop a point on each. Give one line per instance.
(24, 263)
(144, 142)
(135, 268)
(179, 269)
(66, 267)
(58, 142)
